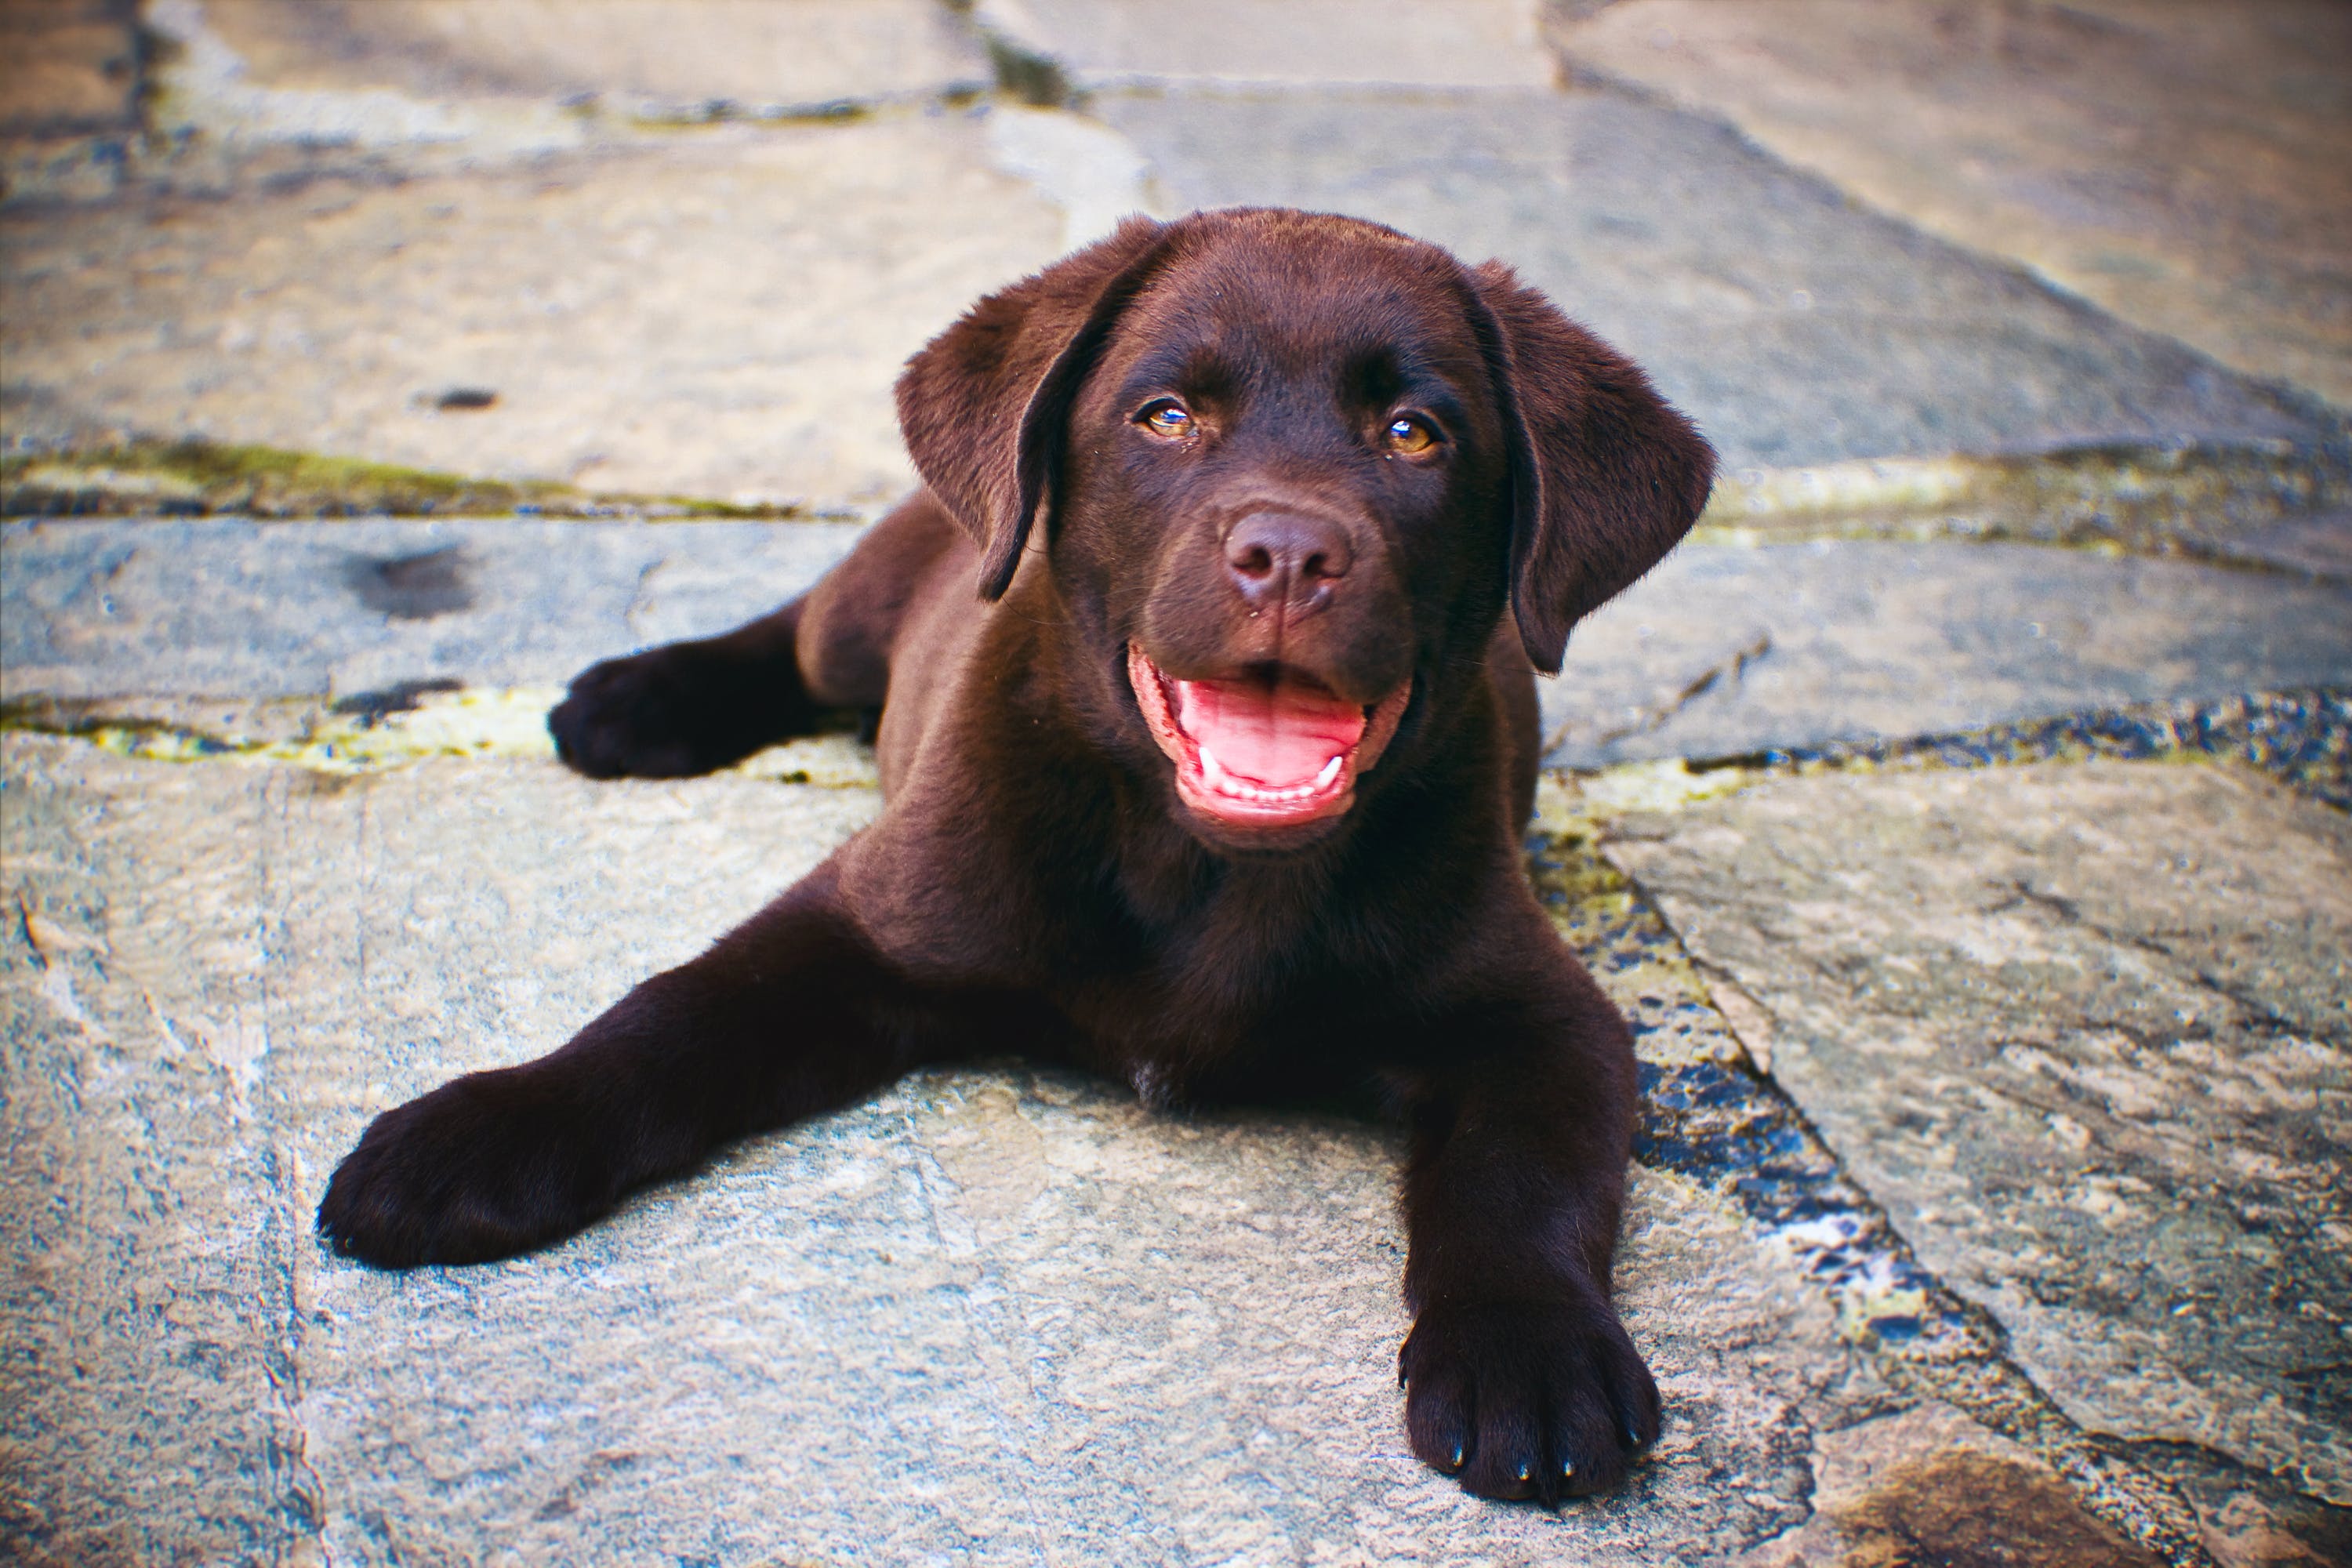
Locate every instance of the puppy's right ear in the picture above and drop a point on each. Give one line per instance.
(985, 407)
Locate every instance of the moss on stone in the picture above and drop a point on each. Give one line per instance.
(2192, 498)
(197, 477)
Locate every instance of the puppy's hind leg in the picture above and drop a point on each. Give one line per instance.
(689, 707)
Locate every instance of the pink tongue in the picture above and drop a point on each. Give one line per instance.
(1279, 734)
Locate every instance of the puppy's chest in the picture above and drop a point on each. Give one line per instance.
(1209, 1013)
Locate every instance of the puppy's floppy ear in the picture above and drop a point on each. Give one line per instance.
(1605, 477)
(984, 405)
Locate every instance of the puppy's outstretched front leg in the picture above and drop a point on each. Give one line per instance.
(1519, 1379)
(790, 1014)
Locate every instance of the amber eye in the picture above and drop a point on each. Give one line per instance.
(1408, 435)
(1168, 419)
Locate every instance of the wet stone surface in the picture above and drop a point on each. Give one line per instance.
(2081, 1029)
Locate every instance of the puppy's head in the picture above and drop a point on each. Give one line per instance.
(1288, 470)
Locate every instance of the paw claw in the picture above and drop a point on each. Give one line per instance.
(1532, 1389)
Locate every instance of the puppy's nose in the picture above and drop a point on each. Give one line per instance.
(1280, 559)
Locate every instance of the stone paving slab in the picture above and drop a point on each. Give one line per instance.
(647, 57)
(1105, 43)
(2181, 165)
(1928, 1486)
(226, 608)
(2080, 1029)
(67, 66)
(69, 95)
(2084, 1030)
(1794, 327)
(997, 1315)
(1722, 651)
(718, 312)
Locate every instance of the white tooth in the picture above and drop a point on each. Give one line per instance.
(1212, 772)
(1330, 771)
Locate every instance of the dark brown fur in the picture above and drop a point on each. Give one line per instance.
(1035, 884)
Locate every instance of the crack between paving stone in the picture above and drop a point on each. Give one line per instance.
(2146, 500)
(638, 597)
(302, 1498)
(301, 1502)
(194, 477)
(401, 726)
(931, 1177)
(2317, 766)
(1724, 672)
(1966, 1360)
(1577, 74)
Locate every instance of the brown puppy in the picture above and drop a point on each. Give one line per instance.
(1216, 785)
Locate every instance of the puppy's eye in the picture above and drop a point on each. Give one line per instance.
(1407, 436)
(1168, 419)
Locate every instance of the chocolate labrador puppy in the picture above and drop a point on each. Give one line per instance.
(1216, 785)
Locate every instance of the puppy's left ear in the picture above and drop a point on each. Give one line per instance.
(984, 405)
(1605, 477)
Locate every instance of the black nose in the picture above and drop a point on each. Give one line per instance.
(1279, 559)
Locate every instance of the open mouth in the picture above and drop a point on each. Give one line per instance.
(1267, 749)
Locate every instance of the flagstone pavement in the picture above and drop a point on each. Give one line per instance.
(1960, 814)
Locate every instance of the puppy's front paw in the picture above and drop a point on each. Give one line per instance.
(669, 713)
(476, 1170)
(1541, 1400)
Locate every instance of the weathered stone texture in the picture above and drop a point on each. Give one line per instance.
(1927, 1485)
(646, 56)
(1101, 43)
(1726, 650)
(147, 1297)
(227, 608)
(1795, 327)
(68, 66)
(2178, 164)
(1000, 1314)
(70, 86)
(2085, 1030)
(721, 313)
(1840, 640)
